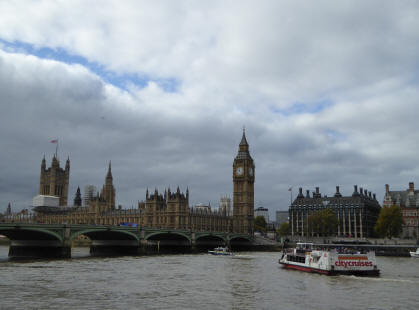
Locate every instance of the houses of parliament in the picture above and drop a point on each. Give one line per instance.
(170, 209)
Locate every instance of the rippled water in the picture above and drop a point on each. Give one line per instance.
(251, 280)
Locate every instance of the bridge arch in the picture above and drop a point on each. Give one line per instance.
(211, 236)
(153, 235)
(206, 241)
(28, 233)
(240, 243)
(104, 233)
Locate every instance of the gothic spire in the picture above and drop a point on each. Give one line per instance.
(44, 163)
(243, 142)
(109, 175)
(243, 148)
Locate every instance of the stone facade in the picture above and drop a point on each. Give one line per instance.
(408, 200)
(356, 214)
(54, 180)
(243, 189)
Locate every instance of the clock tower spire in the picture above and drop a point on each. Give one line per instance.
(243, 189)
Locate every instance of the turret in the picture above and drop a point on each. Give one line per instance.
(109, 177)
(77, 199)
(67, 164)
(43, 164)
(55, 163)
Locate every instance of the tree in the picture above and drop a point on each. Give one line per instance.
(284, 229)
(390, 222)
(260, 224)
(323, 223)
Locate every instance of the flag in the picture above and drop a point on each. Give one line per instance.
(290, 189)
(54, 141)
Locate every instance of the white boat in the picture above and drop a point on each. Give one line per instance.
(330, 262)
(220, 251)
(415, 254)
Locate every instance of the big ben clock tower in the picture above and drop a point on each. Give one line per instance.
(243, 193)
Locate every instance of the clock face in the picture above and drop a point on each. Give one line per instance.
(251, 171)
(239, 170)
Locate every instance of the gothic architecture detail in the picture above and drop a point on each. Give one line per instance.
(243, 189)
(108, 190)
(54, 180)
(168, 210)
(77, 199)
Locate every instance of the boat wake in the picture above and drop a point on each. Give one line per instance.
(239, 256)
(381, 279)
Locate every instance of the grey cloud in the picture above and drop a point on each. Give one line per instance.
(232, 68)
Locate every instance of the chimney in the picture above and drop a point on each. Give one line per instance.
(411, 187)
(337, 192)
(373, 195)
(361, 191)
(300, 193)
(355, 193)
(307, 194)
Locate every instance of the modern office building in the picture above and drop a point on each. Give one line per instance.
(261, 211)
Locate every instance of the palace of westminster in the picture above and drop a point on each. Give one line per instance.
(169, 210)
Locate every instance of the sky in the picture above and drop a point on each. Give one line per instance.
(326, 90)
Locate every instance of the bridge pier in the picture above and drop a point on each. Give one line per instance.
(24, 249)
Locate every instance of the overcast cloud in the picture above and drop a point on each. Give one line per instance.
(327, 90)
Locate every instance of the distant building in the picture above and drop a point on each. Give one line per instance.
(281, 217)
(89, 193)
(408, 201)
(356, 214)
(9, 209)
(201, 206)
(77, 198)
(225, 206)
(261, 211)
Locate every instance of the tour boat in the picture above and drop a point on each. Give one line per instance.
(220, 251)
(415, 254)
(330, 262)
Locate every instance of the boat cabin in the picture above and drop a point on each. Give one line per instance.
(303, 247)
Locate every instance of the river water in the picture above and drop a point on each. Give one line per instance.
(251, 280)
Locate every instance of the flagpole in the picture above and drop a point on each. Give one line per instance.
(56, 150)
(291, 195)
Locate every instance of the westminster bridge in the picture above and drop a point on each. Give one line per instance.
(55, 240)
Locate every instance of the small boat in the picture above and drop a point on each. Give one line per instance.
(415, 254)
(330, 262)
(220, 251)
